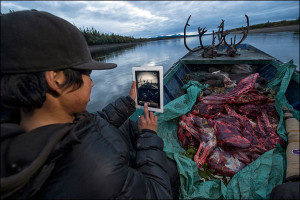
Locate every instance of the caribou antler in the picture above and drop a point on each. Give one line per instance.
(220, 32)
(245, 33)
(209, 51)
(232, 48)
(200, 32)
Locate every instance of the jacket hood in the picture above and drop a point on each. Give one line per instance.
(23, 153)
(19, 148)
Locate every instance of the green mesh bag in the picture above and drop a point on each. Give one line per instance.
(256, 180)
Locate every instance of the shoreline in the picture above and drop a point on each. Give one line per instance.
(107, 47)
(289, 28)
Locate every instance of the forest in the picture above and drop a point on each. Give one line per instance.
(95, 37)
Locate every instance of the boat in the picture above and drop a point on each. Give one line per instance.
(251, 176)
(202, 58)
(263, 63)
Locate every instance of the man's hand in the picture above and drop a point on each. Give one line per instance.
(149, 121)
(132, 92)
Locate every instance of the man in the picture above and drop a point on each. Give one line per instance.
(51, 148)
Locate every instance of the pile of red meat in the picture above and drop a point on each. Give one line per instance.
(231, 130)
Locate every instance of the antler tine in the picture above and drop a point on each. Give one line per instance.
(213, 40)
(221, 27)
(244, 31)
(224, 39)
(192, 50)
(201, 32)
(224, 34)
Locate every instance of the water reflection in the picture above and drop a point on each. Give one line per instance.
(111, 84)
(105, 54)
(281, 45)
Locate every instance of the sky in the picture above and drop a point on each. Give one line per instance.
(143, 19)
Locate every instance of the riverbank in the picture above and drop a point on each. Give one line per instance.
(290, 28)
(110, 47)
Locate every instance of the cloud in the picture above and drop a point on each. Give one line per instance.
(152, 18)
(11, 6)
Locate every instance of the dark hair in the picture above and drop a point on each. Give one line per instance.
(29, 90)
(73, 78)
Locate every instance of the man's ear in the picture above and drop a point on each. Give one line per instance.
(55, 80)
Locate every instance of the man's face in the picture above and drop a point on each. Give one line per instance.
(76, 101)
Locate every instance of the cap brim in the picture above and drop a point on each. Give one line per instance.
(95, 65)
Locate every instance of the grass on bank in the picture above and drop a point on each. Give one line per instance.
(271, 24)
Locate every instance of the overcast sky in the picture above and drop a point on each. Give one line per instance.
(153, 18)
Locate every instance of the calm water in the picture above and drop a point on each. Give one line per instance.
(111, 84)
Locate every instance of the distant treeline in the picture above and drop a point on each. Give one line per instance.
(271, 24)
(94, 37)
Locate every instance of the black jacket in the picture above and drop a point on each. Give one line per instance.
(100, 157)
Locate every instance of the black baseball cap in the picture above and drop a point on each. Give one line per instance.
(36, 41)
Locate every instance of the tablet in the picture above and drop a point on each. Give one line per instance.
(149, 87)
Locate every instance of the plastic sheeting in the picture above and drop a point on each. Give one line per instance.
(256, 180)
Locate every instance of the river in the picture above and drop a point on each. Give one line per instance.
(111, 84)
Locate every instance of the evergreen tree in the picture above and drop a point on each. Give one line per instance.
(94, 37)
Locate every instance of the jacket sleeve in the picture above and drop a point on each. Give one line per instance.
(118, 112)
(150, 173)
